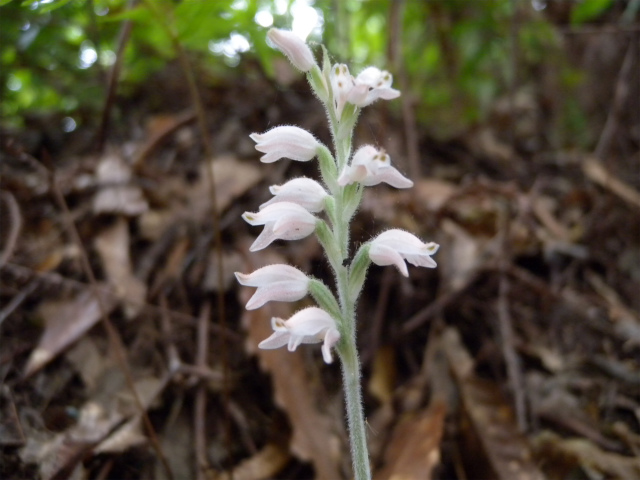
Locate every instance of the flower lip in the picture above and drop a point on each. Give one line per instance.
(394, 246)
(309, 325)
(278, 282)
(296, 50)
(286, 141)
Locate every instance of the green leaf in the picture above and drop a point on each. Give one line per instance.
(589, 10)
(324, 298)
(358, 271)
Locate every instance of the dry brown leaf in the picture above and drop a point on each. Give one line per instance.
(313, 439)
(433, 193)
(493, 446)
(117, 195)
(112, 245)
(383, 375)
(464, 254)
(564, 455)
(232, 262)
(263, 465)
(65, 322)
(415, 445)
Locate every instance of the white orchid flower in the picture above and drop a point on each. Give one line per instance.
(310, 325)
(282, 221)
(370, 85)
(395, 246)
(296, 50)
(279, 283)
(371, 166)
(286, 142)
(305, 192)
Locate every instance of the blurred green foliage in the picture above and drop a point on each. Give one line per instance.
(457, 56)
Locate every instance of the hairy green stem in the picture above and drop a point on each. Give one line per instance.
(347, 349)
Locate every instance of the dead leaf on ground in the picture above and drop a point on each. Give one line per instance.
(313, 438)
(65, 322)
(11, 433)
(494, 448)
(563, 456)
(117, 194)
(112, 245)
(263, 465)
(415, 445)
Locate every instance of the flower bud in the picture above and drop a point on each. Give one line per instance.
(296, 50)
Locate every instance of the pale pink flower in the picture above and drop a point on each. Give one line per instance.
(282, 221)
(286, 142)
(370, 85)
(395, 246)
(280, 283)
(296, 50)
(310, 325)
(305, 192)
(371, 166)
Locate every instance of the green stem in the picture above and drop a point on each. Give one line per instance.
(353, 397)
(347, 349)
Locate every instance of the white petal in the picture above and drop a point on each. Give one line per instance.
(390, 176)
(383, 255)
(303, 191)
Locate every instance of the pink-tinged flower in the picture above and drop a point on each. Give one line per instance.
(370, 85)
(286, 142)
(310, 325)
(282, 221)
(371, 166)
(341, 84)
(305, 192)
(395, 246)
(280, 283)
(296, 50)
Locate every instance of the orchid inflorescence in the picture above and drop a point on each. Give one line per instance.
(293, 214)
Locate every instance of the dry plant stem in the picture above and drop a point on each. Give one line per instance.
(200, 410)
(112, 333)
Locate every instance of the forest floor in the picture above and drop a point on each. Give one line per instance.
(125, 354)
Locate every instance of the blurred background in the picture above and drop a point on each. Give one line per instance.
(126, 162)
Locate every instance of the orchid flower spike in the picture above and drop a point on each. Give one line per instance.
(286, 142)
(282, 221)
(296, 50)
(371, 166)
(305, 192)
(310, 325)
(395, 246)
(280, 283)
(370, 85)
